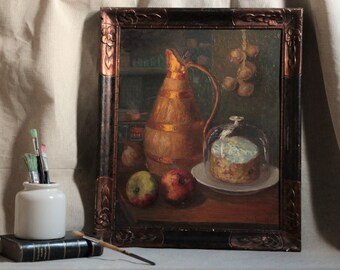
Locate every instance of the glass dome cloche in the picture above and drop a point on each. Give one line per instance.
(235, 152)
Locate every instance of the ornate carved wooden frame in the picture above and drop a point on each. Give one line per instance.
(287, 238)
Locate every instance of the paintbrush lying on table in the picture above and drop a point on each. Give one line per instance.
(110, 246)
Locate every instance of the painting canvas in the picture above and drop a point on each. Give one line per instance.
(163, 111)
(197, 134)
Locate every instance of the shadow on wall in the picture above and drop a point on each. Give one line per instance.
(87, 118)
(322, 151)
(22, 144)
(33, 102)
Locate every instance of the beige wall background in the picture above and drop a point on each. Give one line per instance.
(48, 81)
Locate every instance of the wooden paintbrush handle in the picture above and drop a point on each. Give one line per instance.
(115, 248)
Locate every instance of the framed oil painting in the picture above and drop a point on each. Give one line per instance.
(200, 128)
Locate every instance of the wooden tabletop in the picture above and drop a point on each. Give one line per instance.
(207, 206)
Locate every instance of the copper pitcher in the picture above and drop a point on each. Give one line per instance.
(175, 131)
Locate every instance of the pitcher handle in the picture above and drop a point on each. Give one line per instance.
(216, 94)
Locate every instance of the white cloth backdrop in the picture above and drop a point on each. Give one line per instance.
(48, 80)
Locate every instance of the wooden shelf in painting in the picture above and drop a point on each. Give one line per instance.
(142, 71)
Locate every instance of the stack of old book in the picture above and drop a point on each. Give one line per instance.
(70, 246)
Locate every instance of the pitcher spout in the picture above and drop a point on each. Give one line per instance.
(175, 65)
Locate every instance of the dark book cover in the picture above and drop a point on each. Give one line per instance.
(70, 246)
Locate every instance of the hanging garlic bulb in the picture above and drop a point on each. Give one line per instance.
(252, 50)
(229, 83)
(245, 89)
(246, 71)
(237, 56)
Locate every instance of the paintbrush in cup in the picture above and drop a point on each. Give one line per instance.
(45, 163)
(112, 247)
(32, 167)
(34, 134)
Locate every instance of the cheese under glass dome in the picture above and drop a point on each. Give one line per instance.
(235, 152)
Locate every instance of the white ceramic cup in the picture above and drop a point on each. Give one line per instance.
(40, 212)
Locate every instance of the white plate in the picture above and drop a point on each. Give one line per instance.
(269, 176)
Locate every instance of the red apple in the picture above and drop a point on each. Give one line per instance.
(141, 189)
(178, 185)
